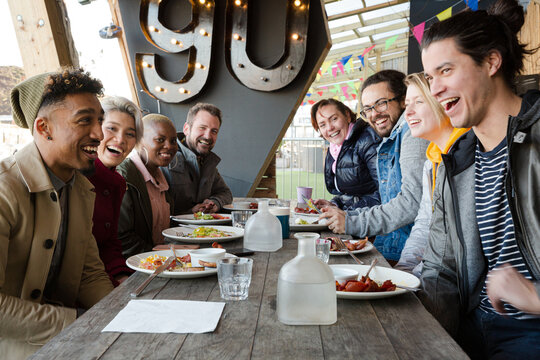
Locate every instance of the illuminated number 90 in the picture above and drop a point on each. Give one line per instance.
(196, 37)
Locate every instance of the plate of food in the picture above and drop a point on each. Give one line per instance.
(203, 234)
(242, 205)
(301, 223)
(306, 212)
(202, 219)
(381, 283)
(354, 246)
(147, 262)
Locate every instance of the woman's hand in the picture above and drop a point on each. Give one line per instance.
(335, 218)
(506, 285)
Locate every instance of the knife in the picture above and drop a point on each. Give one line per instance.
(310, 204)
(156, 272)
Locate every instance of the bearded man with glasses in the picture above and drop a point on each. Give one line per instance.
(400, 158)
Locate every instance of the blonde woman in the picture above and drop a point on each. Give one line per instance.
(146, 206)
(122, 128)
(427, 120)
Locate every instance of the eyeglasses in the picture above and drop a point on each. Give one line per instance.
(379, 107)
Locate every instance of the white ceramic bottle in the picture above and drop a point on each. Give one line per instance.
(306, 292)
(263, 230)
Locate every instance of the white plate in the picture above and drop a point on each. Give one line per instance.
(369, 246)
(172, 233)
(307, 227)
(379, 274)
(231, 207)
(305, 214)
(135, 260)
(190, 219)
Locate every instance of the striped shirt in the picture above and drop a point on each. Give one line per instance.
(495, 222)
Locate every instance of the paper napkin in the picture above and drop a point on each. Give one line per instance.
(167, 316)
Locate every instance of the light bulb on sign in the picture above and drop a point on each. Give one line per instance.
(160, 89)
(237, 37)
(295, 36)
(199, 66)
(203, 32)
(153, 28)
(297, 3)
(146, 65)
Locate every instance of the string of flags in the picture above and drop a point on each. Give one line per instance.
(349, 90)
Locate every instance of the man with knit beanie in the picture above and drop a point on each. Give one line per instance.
(49, 263)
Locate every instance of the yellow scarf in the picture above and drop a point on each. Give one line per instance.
(434, 154)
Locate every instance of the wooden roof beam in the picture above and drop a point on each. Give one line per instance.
(366, 9)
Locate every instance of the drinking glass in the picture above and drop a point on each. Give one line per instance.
(234, 277)
(322, 249)
(239, 218)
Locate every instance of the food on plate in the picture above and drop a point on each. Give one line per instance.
(207, 264)
(300, 221)
(200, 216)
(216, 245)
(365, 285)
(183, 263)
(205, 232)
(253, 205)
(300, 210)
(352, 246)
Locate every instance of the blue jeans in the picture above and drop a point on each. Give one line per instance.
(491, 336)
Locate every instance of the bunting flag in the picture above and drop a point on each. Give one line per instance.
(304, 103)
(344, 90)
(311, 102)
(390, 41)
(443, 15)
(418, 31)
(308, 94)
(472, 4)
(349, 66)
(340, 67)
(334, 71)
(368, 50)
(325, 66)
(353, 96)
(361, 57)
(344, 60)
(320, 93)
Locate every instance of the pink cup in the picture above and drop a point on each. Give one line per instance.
(305, 191)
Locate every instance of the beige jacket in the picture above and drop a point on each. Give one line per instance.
(29, 224)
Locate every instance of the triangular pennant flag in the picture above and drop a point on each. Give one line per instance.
(353, 96)
(472, 4)
(418, 32)
(334, 71)
(320, 93)
(345, 93)
(443, 15)
(390, 41)
(340, 67)
(368, 50)
(361, 57)
(345, 59)
(308, 94)
(349, 66)
(304, 103)
(336, 97)
(311, 102)
(325, 66)
(319, 72)
(318, 77)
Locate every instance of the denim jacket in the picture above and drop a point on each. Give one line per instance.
(401, 158)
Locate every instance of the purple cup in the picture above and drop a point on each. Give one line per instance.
(303, 191)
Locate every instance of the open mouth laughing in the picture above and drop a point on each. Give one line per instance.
(90, 150)
(115, 150)
(449, 103)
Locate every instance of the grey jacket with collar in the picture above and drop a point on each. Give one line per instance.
(191, 184)
(454, 268)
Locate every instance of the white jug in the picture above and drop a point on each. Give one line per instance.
(263, 230)
(306, 292)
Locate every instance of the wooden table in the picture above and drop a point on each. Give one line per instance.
(392, 328)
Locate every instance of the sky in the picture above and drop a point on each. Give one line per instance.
(101, 57)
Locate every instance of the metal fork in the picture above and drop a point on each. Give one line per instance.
(341, 245)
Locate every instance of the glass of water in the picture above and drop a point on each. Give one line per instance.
(322, 249)
(234, 277)
(239, 218)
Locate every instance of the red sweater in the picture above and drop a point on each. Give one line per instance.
(110, 188)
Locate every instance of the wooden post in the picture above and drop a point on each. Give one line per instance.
(44, 36)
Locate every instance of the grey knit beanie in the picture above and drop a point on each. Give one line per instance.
(26, 98)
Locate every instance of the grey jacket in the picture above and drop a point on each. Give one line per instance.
(401, 210)
(190, 184)
(454, 263)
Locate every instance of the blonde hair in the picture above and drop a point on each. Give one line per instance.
(123, 105)
(419, 80)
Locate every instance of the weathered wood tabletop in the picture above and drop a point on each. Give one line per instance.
(393, 328)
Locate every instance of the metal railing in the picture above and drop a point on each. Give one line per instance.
(300, 162)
